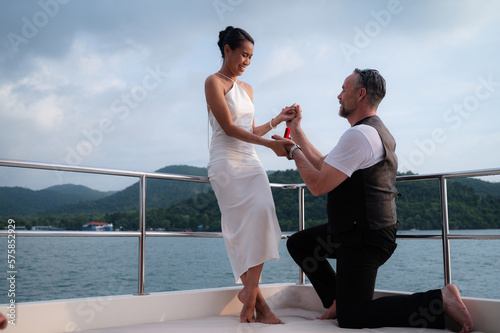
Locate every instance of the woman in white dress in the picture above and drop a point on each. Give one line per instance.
(248, 217)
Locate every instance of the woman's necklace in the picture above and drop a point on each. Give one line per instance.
(226, 76)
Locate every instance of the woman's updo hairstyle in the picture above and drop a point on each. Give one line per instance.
(233, 37)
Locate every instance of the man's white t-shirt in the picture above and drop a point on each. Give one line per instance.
(360, 147)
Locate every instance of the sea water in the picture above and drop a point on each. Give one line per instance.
(50, 268)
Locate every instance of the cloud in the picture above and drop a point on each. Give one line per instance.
(282, 59)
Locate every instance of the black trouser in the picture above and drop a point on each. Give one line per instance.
(359, 254)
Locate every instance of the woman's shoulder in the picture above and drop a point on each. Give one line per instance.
(212, 79)
(214, 83)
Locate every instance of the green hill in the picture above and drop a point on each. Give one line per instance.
(480, 187)
(159, 193)
(418, 207)
(68, 200)
(18, 201)
(469, 207)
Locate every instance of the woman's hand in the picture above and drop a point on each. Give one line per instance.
(281, 146)
(287, 114)
(295, 121)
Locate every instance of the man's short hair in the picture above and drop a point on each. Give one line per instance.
(373, 82)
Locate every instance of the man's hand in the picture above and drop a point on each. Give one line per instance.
(286, 144)
(295, 121)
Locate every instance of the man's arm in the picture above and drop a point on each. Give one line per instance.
(319, 176)
(318, 181)
(313, 156)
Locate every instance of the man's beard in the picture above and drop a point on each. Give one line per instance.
(343, 112)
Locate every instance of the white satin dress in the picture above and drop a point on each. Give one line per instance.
(248, 217)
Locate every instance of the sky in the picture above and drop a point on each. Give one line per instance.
(120, 84)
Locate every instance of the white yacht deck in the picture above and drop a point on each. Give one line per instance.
(207, 310)
(296, 320)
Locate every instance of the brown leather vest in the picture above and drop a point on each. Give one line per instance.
(366, 200)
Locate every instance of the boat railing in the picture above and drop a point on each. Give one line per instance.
(142, 234)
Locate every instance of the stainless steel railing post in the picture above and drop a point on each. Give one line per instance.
(302, 225)
(445, 230)
(142, 236)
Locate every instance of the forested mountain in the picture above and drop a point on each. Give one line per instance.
(68, 200)
(176, 205)
(482, 188)
(18, 201)
(418, 207)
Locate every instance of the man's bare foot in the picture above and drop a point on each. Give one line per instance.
(455, 308)
(248, 296)
(331, 313)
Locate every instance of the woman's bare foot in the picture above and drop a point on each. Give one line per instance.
(248, 296)
(331, 313)
(455, 308)
(264, 313)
